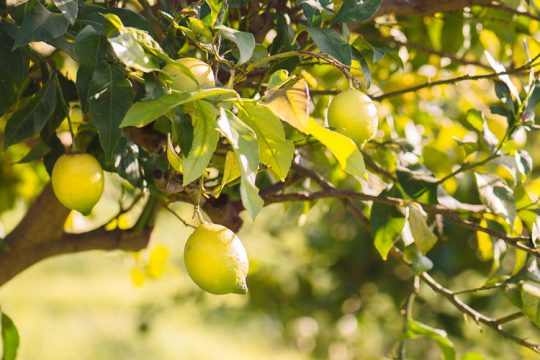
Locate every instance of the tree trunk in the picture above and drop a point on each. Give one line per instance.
(41, 235)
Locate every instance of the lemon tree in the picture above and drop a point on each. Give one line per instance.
(400, 135)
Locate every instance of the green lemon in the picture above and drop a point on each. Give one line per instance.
(216, 260)
(201, 71)
(353, 114)
(78, 180)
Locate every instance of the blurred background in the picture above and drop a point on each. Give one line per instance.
(317, 291)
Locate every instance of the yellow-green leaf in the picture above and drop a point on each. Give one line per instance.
(231, 172)
(343, 148)
(205, 140)
(275, 150)
(424, 238)
(174, 159)
(291, 105)
(144, 112)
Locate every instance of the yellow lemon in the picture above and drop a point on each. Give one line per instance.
(353, 114)
(77, 180)
(202, 72)
(216, 260)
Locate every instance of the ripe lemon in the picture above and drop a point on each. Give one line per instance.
(353, 114)
(216, 260)
(77, 181)
(201, 71)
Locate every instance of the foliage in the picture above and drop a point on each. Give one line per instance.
(452, 161)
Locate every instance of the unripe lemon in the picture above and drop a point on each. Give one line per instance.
(353, 114)
(77, 180)
(201, 71)
(216, 260)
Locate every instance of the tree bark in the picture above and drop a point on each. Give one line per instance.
(41, 235)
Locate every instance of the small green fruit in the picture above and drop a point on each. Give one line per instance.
(353, 114)
(202, 72)
(78, 181)
(216, 260)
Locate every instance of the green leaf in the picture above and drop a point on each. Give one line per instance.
(416, 329)
(10, 338)
(90, 47)
(343, 148)
(32, 117)
(422, 234)
(113, 24)
(174, 159)
(84, 78)
(530, 298)
(278, 78)
(205, 140)
(275, 150)
(126, 162)
(231, 171)
(148, 43)
(476, 119)
(356, 11)
(70, 9)
(40, 25)
(13, 70)
(244, 40)
(131, 53)
(109, 98)
(144, 112)
(38, 152)
(182, 130)
(244, 143)
(291, 104)
(92, 15)
(387, 223)
(496, 195)
(215, 8)
(330, 42)
(453, 24)
(419, 263)
(499, 68)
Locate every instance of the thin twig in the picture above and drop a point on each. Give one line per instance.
(511, 10)
(481, 288)
(475, 315)
(454, 80)
(511, 317)
(432, 51)
(325, 184)
(407, 312)
(178, 217)
(450, 215)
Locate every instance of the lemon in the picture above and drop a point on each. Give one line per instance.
(216, 260)
(353, 114)
(77, 181)
(201, 71)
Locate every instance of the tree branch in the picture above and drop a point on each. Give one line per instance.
(449, 214)
(529, 65)
(495, 324)
(426, 7)
(40, 235)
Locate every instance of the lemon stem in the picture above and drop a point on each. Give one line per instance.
(198, 201)
(64, 104)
